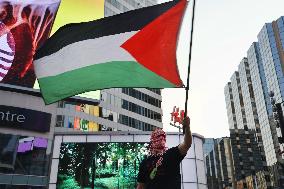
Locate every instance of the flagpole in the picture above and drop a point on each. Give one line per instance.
(189, 61)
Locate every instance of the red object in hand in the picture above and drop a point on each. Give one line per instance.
(177, 116)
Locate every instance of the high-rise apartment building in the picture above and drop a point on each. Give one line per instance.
(245, 133)
(237, 100)
(250, 106)
(264, 110)
(249, 166)
(212, 167)
(137, 108)
(262, 101)
(231, 113)
(228, 174)
(271, 45)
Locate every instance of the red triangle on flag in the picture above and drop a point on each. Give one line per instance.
(154, 46)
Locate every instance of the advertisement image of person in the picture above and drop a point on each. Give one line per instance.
(161, 169)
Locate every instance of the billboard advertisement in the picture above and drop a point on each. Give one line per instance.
(108, 160)
(24, 26)
(102, 165)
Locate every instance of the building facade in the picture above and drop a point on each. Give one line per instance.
(27, 129)
(262, 100)
(26, 137)
(209, 144)
(270, 40)
(210, 161)
(30, 136)
(250, 107)
(219, 164)
(245, 133)
(249, 168)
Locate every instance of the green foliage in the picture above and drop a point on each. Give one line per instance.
(66, 182)
(107, 165)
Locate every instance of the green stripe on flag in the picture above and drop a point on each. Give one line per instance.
(117, 74)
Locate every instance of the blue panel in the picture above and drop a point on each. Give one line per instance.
(5, 179)
(35, 180)
(269, 27)
(20, 179)
(280, 22)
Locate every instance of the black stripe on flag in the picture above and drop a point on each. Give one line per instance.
(124, 22)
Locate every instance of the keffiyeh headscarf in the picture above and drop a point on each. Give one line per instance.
(157, 142)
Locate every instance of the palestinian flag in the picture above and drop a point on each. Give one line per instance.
(132, 49)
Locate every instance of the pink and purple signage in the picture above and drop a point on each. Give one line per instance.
(26, 146)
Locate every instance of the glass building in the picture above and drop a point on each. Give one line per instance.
(262, 100)
(219, 163)
(259, 74)
(252, 116)
(270, 41)
(249, 167)
(208, 145)
(238, 101)
(245, 133)
(231, 113)
(270, 45)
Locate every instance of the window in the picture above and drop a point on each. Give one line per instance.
(59, 121)
(25, 155)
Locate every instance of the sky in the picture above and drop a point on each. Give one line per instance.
(223, 32)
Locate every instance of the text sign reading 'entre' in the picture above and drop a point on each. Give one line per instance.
(22, 118)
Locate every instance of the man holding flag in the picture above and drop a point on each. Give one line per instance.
(161, 170)
(133, 49)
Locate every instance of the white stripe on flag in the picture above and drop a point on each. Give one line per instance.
(84, 53)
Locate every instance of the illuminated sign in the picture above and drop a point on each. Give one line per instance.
(85, 125)
(29, 143)
(23, 154)
(21, 118)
